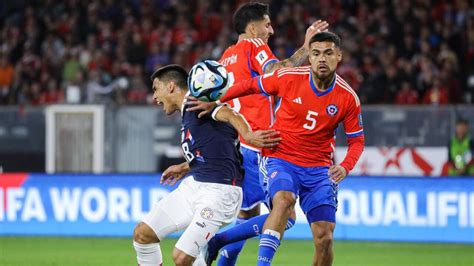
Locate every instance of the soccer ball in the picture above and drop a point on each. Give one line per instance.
(208, 81)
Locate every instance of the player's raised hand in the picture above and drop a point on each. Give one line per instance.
(174, 173)
(194, 104)
(316, 27)
(337, 173)
(263, 138)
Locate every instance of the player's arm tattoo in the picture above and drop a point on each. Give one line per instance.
(297, 59)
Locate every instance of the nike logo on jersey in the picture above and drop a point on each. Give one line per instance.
(298, 100)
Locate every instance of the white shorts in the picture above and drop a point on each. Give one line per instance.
(200, 208)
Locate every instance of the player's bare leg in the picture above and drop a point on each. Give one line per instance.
(147, 246)
(283, 206)
(180, 258)
(323, 241)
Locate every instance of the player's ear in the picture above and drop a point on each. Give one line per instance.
(251, 29)
(339, 55)
(171, 87)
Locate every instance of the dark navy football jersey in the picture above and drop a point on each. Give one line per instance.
(211, 149)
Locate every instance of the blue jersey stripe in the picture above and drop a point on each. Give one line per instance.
(267, 63)
(356, 134)
(260, 85)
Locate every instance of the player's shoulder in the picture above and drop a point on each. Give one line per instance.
(255, 42)
(228, 50)
(291, 71)
(345, 89)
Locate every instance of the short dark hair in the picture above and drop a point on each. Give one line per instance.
(326, 36)
(247, 13)
(172, 72)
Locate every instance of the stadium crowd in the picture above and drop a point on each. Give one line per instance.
(103, 51)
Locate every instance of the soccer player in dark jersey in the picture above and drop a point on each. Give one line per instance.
(211, 195)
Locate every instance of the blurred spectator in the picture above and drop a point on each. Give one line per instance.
(72, 65)
(53, 93)
(384, 42)
(391, 82)
(6, 78)
(460, 151)
(76, 91)
(137, 93)
(101, 89)
(406, 95)
(156, 58)
(437, 94)
(137, 50)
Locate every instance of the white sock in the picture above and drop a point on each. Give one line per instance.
(272, 233)
(148, 254)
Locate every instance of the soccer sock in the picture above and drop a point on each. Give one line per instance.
(269, 243)
(252, 227)
(148, 254)
(230, 252)
(290, 223)
(245, 230)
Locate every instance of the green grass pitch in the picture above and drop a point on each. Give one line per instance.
(42, 251)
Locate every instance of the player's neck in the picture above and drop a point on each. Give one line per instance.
(181, 100)
(323, 85)
(244, 36)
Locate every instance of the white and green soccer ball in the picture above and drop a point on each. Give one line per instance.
(208, 81)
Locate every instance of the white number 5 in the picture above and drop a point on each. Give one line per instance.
(312, 120)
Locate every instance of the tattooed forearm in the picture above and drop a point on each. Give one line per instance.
(297, 59)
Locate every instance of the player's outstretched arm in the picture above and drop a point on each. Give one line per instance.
(259, 138)
(193, 104)
(300, 56)
(242, 88)
(174, 173)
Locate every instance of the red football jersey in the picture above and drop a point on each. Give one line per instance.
(245, 60)
(307, 118)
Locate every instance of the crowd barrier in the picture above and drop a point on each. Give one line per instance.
(369, 208)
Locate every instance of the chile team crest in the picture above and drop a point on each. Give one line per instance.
(331, 109)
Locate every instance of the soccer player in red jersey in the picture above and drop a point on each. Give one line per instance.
(314, 100)
(249, 57)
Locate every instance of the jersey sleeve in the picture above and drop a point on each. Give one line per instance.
(354, 132)
(216, 109)
(260, 55)
(353, 120)
(269, 84)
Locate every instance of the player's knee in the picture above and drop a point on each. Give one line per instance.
(284, 200)
(143, 234)
(181, 259)
(324, 240)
